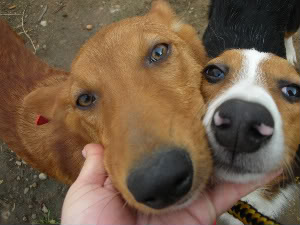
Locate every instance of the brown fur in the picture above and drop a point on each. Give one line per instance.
(139, 109)
(289, 34)
(277, 69)
(20, 73)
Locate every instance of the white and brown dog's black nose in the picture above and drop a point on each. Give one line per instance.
(162, 179)
(242, 126)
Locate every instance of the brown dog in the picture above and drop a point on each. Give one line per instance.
(134, 88)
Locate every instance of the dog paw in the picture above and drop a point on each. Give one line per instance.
(290, 51)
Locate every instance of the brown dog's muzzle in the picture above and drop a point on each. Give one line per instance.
(158, 163)
(162, 179)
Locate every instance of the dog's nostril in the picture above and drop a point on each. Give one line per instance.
(255, 133)
(180, 181)
(221, 121)
(264, 130)
(260, 133)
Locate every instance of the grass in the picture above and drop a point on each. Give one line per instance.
(47, 220)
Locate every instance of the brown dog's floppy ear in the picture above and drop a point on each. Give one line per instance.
(49, 102)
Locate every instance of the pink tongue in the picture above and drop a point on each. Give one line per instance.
(219, 120)
(264, 129)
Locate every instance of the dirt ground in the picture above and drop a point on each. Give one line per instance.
(58, 29)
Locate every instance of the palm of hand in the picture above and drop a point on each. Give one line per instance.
(96, 204)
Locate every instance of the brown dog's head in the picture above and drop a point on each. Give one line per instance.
(253, 113)
(135, 88)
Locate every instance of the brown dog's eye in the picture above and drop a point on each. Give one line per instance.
(84, 101)
(159, 52)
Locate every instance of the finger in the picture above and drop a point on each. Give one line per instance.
(224, 196)
(93, 171)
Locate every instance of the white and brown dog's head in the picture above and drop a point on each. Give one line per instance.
(253, 113)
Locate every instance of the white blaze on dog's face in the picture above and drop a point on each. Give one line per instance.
(252, 120)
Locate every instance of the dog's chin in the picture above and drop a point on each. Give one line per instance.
(245, 167)
(241, 170)
(233, 176)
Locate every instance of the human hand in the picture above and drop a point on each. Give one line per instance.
(93, 200)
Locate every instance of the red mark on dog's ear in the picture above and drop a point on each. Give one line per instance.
(40, 120)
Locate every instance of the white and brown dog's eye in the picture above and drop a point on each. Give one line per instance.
(84, 101)
(159, 52)
(215, 73)
(291, 92)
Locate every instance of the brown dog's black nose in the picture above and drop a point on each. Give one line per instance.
(162, 179)
(242, 126)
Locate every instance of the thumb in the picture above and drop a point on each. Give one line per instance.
(223, 196)
(93, 171)
(226, 195)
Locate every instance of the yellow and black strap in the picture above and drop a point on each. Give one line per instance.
(247, 214)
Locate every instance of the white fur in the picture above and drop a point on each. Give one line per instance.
(290, 51)
(249, 85)
(273, 208)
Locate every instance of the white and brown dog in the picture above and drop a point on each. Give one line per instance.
(253, 97)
